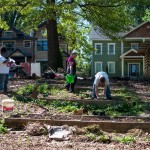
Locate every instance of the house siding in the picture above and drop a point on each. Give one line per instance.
(105, 57)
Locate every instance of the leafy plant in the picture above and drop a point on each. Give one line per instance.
(126, 139)
(43, 89)
(91, 136)
(104, 139)
(26, 90)
(3, 129)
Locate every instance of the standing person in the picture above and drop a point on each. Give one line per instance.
(71, 69)
(101, 78)
(4, 69)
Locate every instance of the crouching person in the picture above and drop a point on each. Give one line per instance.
(101, 79)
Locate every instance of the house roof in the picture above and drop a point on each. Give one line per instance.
(141, 31)
(97, 35)
(24, 52)
(20, 35)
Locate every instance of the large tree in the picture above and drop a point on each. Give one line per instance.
(67, 16)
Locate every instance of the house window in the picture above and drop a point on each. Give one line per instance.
(111, 67)
(27, 44)
(9, 45)
(44, 33)
(98, 47)
(111, 48)
(42, 45)
(135, 46)
(8, 34)
(98, 66)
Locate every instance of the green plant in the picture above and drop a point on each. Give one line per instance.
(43, 89)
(3, 129)
(126, 139)
(91, 136)
(26, 90)
(104, 139)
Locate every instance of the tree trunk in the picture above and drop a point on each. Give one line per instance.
(54, 54)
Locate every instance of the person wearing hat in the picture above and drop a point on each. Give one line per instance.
(101, 78)
(71, 69)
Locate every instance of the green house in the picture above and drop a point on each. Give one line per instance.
(129, 57)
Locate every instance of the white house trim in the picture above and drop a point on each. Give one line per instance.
(36, 60)
(122, 66)
(136, 38)
(101, 51)
(122, 45)
(135, 44)
(112, 62)
(132, 50)
(114, 48)
(100, 62)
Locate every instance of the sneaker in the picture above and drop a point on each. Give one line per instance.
(109, 98)
(71, 91)
(1, 92)
(95, 98)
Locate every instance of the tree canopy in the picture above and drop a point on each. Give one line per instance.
(69, 18)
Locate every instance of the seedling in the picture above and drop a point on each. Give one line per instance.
(126, 139)
(3, 129)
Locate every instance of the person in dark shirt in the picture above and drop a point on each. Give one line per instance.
(71, 69)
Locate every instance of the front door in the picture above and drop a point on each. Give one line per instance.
(134, 70)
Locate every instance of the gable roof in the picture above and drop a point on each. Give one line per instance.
(20, 34)
(24, 52)
(141, 31)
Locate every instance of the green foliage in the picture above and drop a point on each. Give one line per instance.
(126, 139)
(26, 90)
(104, 139)
(3, 129)
(43, 89)
(147, 15)
(137, 9)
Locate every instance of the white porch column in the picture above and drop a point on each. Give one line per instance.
(25, 59)
(143, 65)
(122, 66)
(121, 47)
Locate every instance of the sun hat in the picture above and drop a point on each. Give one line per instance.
(74, 52)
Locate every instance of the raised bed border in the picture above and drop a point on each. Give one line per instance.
(105, 126)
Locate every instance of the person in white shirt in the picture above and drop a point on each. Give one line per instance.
(4, 69)
(101, 78)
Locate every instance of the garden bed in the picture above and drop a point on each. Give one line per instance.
(84, 118)
(104, 125)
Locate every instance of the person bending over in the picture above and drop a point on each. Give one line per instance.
(101, 79)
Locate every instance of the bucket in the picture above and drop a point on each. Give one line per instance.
(70, 78)
(7, 105)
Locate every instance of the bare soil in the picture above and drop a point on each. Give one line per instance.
(20, 140)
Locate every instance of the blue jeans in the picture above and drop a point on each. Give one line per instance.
(6, 82)
(2, 81)
(108, 92)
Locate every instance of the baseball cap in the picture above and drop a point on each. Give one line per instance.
(74, 52)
